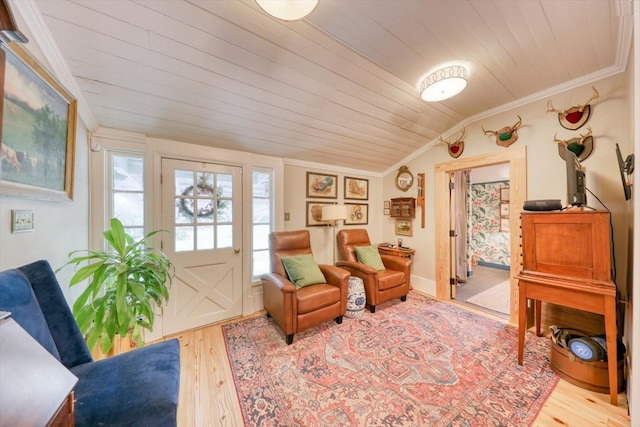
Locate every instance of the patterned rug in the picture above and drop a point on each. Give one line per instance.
(416, 363)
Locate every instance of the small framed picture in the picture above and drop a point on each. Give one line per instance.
(387, 211)
(404, 227)
(504, 225)
(314, 213)
(356, 188)
(504, 210)
(322, 186)
(387, 204)
(504, 194)
(21, 221)
(357, 214)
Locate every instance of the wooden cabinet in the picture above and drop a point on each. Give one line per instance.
(566, 260)
(396, 251)
(403, 207)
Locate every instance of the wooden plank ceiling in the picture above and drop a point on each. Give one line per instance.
(338, 87)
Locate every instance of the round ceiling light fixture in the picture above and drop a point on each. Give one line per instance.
(443, 83)
(288, 10)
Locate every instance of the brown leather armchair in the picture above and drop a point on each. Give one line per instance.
(298, 309)
(379, 285)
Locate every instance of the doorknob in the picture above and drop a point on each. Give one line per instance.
(236, 251)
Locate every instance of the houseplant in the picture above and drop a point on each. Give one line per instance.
(124, 281)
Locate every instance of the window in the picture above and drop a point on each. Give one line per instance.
(261, 221)
(127, 191)
(204, 210)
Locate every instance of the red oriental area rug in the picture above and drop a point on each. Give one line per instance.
(416, 363)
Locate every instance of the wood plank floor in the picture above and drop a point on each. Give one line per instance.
(208, 396)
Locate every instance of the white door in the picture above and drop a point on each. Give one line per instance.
(202, 208)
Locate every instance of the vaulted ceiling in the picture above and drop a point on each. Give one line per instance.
(338, 87)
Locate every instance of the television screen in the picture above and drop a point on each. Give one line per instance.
(576, 194)
(626, 167)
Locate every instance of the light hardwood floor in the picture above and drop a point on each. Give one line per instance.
(208, 396)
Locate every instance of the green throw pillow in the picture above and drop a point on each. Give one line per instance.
(370, 256)
(303, 270)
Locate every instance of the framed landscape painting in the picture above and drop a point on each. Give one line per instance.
(323, 186)
(404, 227)
(38, 131)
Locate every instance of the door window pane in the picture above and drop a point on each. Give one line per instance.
(225, 236)
(184, 240)
(205, 237)
(225, 213)
(205, 210)
(224, 185)
(208, 206)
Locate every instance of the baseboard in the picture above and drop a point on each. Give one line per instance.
(494, 265)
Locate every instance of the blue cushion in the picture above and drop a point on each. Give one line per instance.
(137, 388)
(62, 326)
(17, 297)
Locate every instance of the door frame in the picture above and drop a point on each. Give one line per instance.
(517, 160)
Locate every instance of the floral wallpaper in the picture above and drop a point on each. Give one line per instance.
(487, 243)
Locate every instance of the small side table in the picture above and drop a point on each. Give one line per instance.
(356, 298)
(396, 251)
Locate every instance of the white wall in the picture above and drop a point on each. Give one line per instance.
(545, 168)
(60, 227)
(322, 237)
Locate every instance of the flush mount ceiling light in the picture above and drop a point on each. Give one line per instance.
(443, 83)
(288, 10)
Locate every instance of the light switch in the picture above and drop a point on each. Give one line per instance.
(287, 217)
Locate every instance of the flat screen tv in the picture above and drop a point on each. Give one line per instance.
(626, 168)
(576, 189)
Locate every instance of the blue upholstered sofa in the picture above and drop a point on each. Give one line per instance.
(138, 388)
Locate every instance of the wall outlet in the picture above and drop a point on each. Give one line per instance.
(287, 216)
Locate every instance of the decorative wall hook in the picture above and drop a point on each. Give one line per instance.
(575, 117)
(582, 147)
(507, 135)
(457, 147)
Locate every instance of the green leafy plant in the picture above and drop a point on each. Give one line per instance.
(124, 281)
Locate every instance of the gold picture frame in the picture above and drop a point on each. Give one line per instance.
(322, 185)
(504, 194)
(38, 130)
(404, 227)
(357, 214)
(314, 213)
(356, 188)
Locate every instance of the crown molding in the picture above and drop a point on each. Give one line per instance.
(41, 36)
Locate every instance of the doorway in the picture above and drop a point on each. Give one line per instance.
(482, 245)
(445, 241)
(202, 209)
